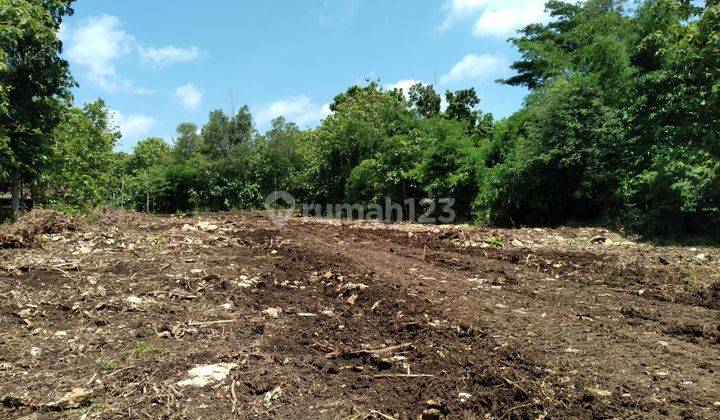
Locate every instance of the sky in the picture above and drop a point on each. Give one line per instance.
(163, 62)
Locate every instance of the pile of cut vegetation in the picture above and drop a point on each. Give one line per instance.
(27, 231)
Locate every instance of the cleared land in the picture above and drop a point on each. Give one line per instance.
(106, 318)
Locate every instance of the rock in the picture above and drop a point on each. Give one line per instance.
(245, 282)
(464, 397)
(351, 300)
(203, 375)
(73, 399)
(273, 312)
(663, 261)
(35, 351)
(207, 227)
(273, 395)
(188, 228)
(354, 286)
(701, 257)
(600, 392)
(601, 239)
(517, 243)
(134, 300)
(431, 414)
(662, 374)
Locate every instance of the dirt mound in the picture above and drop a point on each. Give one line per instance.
(26, 232)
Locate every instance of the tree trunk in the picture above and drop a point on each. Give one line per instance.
(23, 204)
(15, 188)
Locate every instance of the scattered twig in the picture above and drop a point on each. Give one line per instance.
(385, 350)
(511, 383)
(202, 324)
(120, 370)
(91, 380)
(385, 416)
(64, 273)
(507, 413)
(403, 375)
(234, 396)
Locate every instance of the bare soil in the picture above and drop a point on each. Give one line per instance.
(104, 318)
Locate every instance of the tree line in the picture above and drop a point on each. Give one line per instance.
(621, 127)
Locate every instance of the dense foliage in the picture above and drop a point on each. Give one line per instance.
(34, 87)
(621, 126)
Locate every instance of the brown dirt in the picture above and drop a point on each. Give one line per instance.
(555, 322)
(28, 230)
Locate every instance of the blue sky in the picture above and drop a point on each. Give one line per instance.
(162, 62)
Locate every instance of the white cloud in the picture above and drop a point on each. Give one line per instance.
(475, 68)
(162, 57)
(133, 127)
(504, 20)
(499, 18)
(459, 9)
(100, 41)
(299, 109)
(405, 85)
(95, 46)
(189, 96)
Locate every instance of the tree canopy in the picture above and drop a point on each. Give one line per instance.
(620, 127)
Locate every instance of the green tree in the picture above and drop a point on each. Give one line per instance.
(147, 153)
(462, 106)
(146, 166)
(363, 118)
(34, 86)
(675, 124)
(77, 175)
(222, 135)
(187, 142)
(279, 157)
(425, 100)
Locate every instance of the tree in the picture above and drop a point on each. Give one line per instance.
(363, 118)
(145, 164)
(187, 142)
(222, 134)
(278, 157)
(595, 37)
(77, 175)
(674, 182)
(34, 86)
(425, 100)
(462, 106)
(148, 153)
(447, 164)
